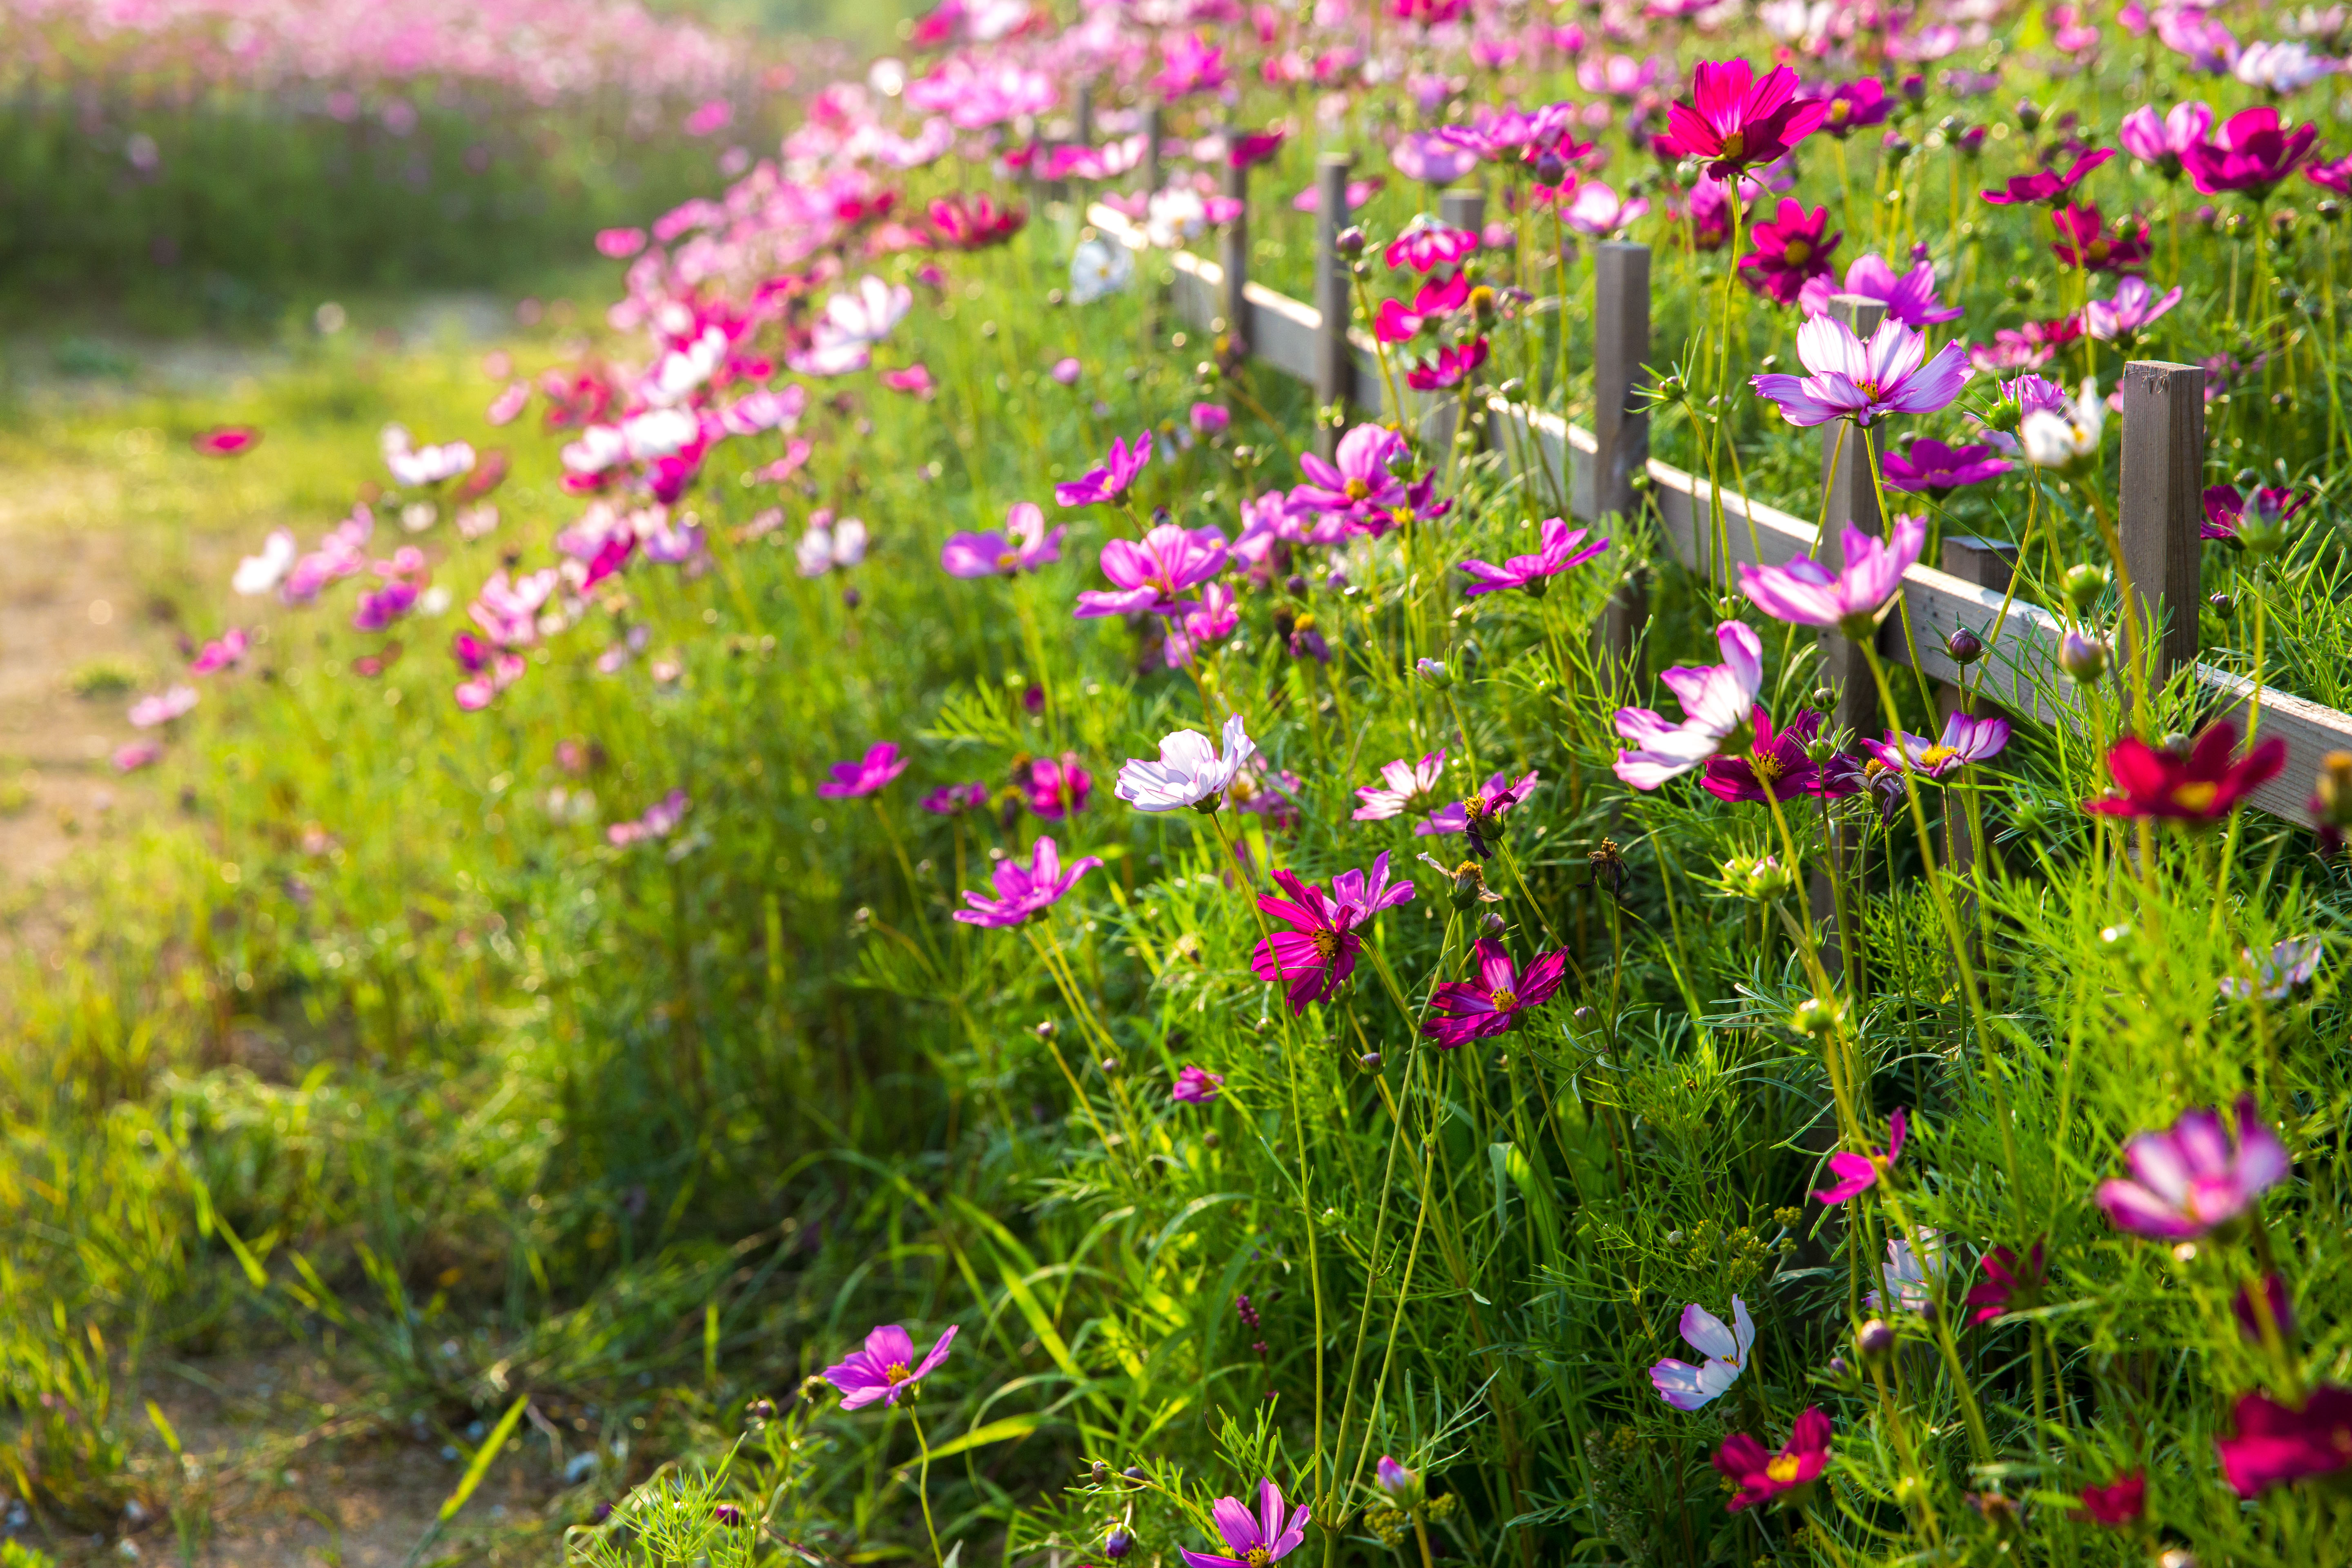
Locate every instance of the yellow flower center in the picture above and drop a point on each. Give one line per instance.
(1934, 756)
(1783, 1467)
(1768, 767)
(897, 1372)
(2096, 250)
(1007, 561)
(1800, 252)
(1326, 945)
(1358, 490)
(2195, 796)
(1736, 144)
(1841, 111)
(1256, 1557)
(1505, 1001)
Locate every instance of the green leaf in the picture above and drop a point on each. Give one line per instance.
(483, 1456)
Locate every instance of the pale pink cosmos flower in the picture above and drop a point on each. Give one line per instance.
(1023, 546)
(1533, 573)
(161, 707)
(2165, 140)
(1909, 297)
(1807, 593)
(227, 649)
(2134, 309)
(260, 574)
(1688, 1387)
(508, 406)
(1892, 374)
(1404, 788)
(132, 755)
(1719, 703)
(2192, 1177)
(1599, 211)
(1215, 620)
(1189, 771)
(1965, 740)
(658, 820)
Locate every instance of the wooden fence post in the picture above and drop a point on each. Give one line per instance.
(1150, 154)
(1621, 425)
(1335, 355)
(2163, 465)
(1463, 209)
(1082, 115)
(1988, 563)
(1234, 255)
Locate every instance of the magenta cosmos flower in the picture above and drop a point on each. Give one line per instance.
(1023, 546)
(1314, 957)
(1807, 593)
(1734, 120)
(1255, 1541)
(880, 764)
(1196, 1086)
(1780, 759)
(1965, 740)
(1460, 1011)
(228, 441)
(1761, 1477)
(1478, 816)
(1024, 892)
(1891, 374)
(1152, 573)
(2165, 140)
(1909, 297)
(1717, 700)
(2010, 1282)
(1933, 468)
(2191, 1178)
(1449, 367)
(2225, 507)
(2278, 1443)
(1533, 573)
(1109, 481)
(2047, 185)
(1792, 250)
(886, 1369)
(2252, 152)
(1427, 244)
(1857, 1173)
(2088, 242)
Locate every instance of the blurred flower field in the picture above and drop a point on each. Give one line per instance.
(870, 898)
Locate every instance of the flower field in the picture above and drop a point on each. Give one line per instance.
(1639, 864)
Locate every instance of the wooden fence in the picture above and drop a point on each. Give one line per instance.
(2163, 450)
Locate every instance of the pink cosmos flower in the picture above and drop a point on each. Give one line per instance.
(1404, 787)
(1761, 1477)
(1857, 1173)
(1856, 106)
(2047, 185)
(1109, 481)
(1965, 740)
(1533, 573)
(222, 652)
(2277, 1444)
(1460, 1011)
(1734, 120)
(1024, 892)
(1892, 374)
(1218, 614)
(1253, 1542)
(2225, 507)
(2253, 151)
(488, 671)
(1933, 468)
(508, 406)
(1598, 210)
(1314, 958)
(915, 381)
(1190, 63)
(1428, 156)
(1150, 574)
(1310, 200)
(852, 781)
(1059, 786)
(658, 820)
(2088, 242)
(132, 755)
(2009, 1282)
(1358, 482)
(2132, 311)
(228, 441)
(886, 1369)
(1718, 701)
(619, 244)
(1023, 546)
(1688, 1387)
(1449, 368)
(1478, 816)
(1793, 249)
(2191, 1178)
(1909, 299)
(1196, 1086)
(2165, 142)
(1397, 323)
(1066, 371)
(1806, 594)
(1428, 245)
(953, 800)
(161, 707)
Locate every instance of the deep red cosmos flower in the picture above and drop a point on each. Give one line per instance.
(2087, 241)
(1734, 120)
(2048, 184)
(2009, 1282)
(1761, 1477)
(2277, 1444)
(2119, 1502)
(975, 222)
(1778, 758)
(2201, 785)
(1795, 246)
(2252, 152)
(228, 441)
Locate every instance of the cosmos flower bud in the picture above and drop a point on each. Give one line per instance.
(1134, 1473)
(1964, 646)
(1838, 1367)
(2029, 115)
(2082, 656)
(1469, 886)
(1875, 1340)
(1348, 242)
(729, 1514)
(2083, 584)
(1117, 1543)
(1045, 1029)
(759, 1410)
(1369, 1061)
(1403, 1486)
(1815, 1016)
(1101, 1473)
(1434, 672)
(1761, 878)
(2262, 531)
(1549, 169)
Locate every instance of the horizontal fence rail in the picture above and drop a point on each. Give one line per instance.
(2163, 423)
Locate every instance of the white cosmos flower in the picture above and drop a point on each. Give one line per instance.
(2053, 440)
(2287, 67)
(1100, 268)
(827, 545)
(416, 467)
(259, 573)
(1188, 770)
(852, 324)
